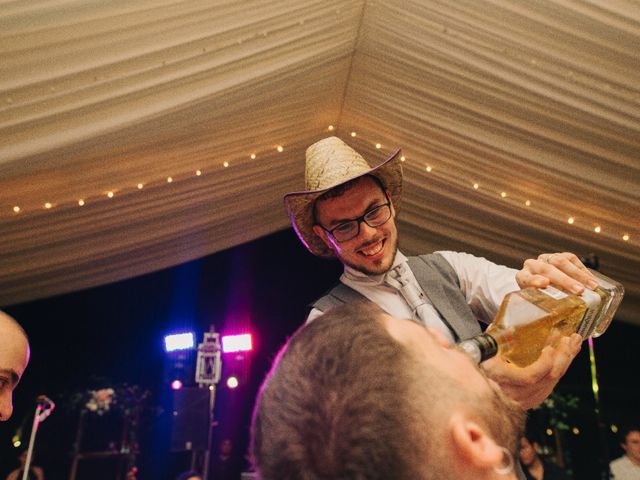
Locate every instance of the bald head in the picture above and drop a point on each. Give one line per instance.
(14, 356)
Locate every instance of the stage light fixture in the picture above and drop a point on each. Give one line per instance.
(236, 343)
(176, 385)
(179, 341)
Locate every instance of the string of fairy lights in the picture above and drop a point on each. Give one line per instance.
(81, 202)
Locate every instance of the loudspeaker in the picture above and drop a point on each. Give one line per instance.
(190, 419)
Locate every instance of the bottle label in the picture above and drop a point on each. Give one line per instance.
(553, 292)
(593, 314)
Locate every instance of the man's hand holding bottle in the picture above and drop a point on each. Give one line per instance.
(534, 333)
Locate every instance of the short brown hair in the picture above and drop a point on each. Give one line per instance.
(338, 403)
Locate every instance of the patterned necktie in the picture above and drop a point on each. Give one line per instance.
(400, 278)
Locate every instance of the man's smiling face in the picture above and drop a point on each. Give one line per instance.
(373, 250)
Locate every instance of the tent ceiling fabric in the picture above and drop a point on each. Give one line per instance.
(540, 100)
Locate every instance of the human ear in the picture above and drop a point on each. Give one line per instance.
(317, 229)
(473, 443)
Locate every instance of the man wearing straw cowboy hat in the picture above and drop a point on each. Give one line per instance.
(348, 212)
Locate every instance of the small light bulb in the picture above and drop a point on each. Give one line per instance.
(253, 156)
(597, 229)
(140, 186)
(110, 194)
(47, 205)
(198, 173)
(503, 194)
(169, 179)
(625, 237)
(378, 146)
(81, 202)
(353, 134)
(614, 428)
(476, 186)
(280, 149)
(570, 220)
(575, 430)
(225, 164)
(16, 209)
(428, 169)
(549, 432)
(232, 382)
(402, 158)
(528, 203)
(330, 128)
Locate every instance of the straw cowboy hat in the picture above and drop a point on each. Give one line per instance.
(331, 162)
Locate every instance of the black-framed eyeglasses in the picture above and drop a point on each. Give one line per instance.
(374, 218)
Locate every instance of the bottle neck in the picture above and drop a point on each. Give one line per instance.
(480, 348)
(488, 346)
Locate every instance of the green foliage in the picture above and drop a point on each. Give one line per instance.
(555, 410)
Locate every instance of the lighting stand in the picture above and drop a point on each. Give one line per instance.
(44, 407)
(208, 368)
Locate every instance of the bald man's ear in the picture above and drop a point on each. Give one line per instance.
(473, 443)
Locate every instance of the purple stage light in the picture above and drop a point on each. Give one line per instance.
(179, 341)
(236, 343)
(176, 385)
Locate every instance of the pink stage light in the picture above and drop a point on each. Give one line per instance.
(176, 385)
(236, 343)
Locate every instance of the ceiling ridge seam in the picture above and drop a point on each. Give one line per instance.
(353, 53)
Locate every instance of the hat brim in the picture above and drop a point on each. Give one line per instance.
(299, 205)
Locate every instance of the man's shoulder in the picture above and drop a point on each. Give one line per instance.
(336, 295)
(619, 461)
(431, 258)
(436, 263)
(622, 468)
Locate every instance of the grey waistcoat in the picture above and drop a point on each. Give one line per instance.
(440, 284)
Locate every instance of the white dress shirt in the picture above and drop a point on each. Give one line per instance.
(624, 469)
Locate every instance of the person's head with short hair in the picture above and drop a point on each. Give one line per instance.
(348, 210)
(359, 394)
(14, 356)
(630, 442)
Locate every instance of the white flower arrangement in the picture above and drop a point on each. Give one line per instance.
(101, 400)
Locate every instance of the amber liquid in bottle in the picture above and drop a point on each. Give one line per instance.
(530, 319)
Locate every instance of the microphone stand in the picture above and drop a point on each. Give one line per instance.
(44, 407)
(208, 371)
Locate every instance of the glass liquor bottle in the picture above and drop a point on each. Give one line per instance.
(532, 318)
